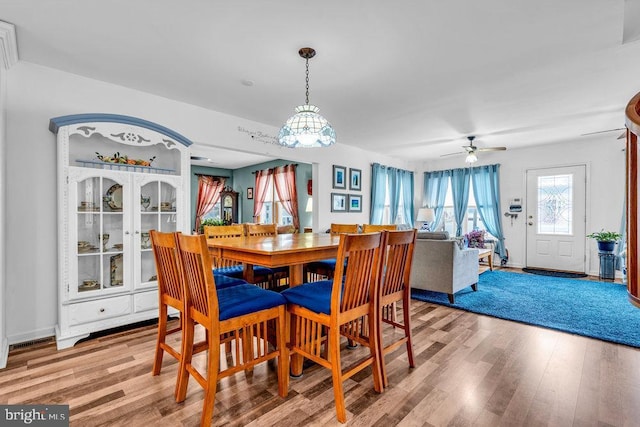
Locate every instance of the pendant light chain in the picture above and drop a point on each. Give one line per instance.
(307, 74)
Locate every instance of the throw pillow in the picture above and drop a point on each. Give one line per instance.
(475, 238)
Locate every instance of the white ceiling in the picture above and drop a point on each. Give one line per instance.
(407, 78)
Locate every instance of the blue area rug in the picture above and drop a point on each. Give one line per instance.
(594, 309)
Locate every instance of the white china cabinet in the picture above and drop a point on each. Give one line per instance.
(118, 178)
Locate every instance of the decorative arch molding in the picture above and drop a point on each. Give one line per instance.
(91, 118)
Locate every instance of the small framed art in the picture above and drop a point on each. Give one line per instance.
(249, 192)
(339, 177)
(338, 202)
(355, 203)
(355, 176)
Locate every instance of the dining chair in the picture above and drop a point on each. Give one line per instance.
(246, 314)
(325, 269)
(372, 228)
(394, 289)
(320, 312)
(170, 294)
(278, 274)
(229, 268)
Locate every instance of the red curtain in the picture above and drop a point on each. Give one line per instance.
(263, 185)
(209, 189)
(285, 183)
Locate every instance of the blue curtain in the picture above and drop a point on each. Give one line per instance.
(378, 192)
(434, 194)
(406, 177)
(394, 192)
(399, 181)
(486, 189)
(460, 192)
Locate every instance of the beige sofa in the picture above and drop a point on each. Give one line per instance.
(440, 265)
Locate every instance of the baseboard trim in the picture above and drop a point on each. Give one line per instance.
(4, 353)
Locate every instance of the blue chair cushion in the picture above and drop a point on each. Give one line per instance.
(244, 299)
(223, 281)
(236, 271)
(325, 264)
(315, 296)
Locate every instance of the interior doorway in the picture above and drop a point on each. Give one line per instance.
(556, 218)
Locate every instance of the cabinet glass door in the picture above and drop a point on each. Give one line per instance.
(97, 206)
(157, 212)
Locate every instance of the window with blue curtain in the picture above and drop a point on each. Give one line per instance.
(485, 212)
(391, 195)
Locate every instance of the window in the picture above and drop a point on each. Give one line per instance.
(273, 211)
(555, 204)
(472, 220)
(214, 213)
(386, 214)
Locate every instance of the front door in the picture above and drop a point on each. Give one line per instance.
(556, 218)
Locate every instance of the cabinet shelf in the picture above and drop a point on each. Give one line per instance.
(124, 167)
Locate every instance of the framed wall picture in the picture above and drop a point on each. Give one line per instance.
(355, 176)
(338, 202)
(249, 192)
(339, 177)
(355, 203)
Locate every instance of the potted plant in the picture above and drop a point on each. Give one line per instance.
(210, 221)
(606, 239)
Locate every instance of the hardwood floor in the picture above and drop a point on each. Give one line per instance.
(471, 370)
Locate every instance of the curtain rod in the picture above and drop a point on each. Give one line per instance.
(291, 164)
(212, 176)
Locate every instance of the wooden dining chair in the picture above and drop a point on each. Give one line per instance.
(323, 311)
(325, 269)
(279, 275)
(372, 228)
(230, 268)
(395, 289)
(240, 313)
(170, 294)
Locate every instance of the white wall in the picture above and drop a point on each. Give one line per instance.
(36, 94)
(605, 162)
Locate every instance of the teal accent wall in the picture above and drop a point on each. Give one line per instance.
(203, 170)
(244, 178)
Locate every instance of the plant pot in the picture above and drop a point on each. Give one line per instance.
(606, 246)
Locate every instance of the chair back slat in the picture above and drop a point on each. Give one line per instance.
(261, 229)
(343, 228)
(165, 254)
(372, 228)
(399, 256)
(222, 231)
(363, 253)
(200, 285)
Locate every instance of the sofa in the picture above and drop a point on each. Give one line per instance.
(440, 265)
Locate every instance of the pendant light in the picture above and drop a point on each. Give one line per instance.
(307, 128)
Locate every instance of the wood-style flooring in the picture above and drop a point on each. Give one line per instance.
(472, 370)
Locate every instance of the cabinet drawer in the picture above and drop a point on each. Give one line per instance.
(93, 311)
(145, 301)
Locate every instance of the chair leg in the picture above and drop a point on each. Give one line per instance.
(213, 363)
(407, 330)
(336, 373)
(162, 334)
(187, 354)
(283, 358)
(452, 298)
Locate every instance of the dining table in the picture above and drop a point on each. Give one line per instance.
(282, 250)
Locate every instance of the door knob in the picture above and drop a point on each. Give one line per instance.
(530, 223)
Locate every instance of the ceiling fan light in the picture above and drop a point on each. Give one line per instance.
(471, 157)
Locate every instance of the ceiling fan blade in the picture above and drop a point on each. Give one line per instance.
(623, 135)
(492, 149)
(453, 154)
(601, 131)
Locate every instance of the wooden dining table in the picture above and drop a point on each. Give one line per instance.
(283, 250)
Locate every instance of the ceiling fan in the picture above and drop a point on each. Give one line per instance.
(623, 135)
(470, 150)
